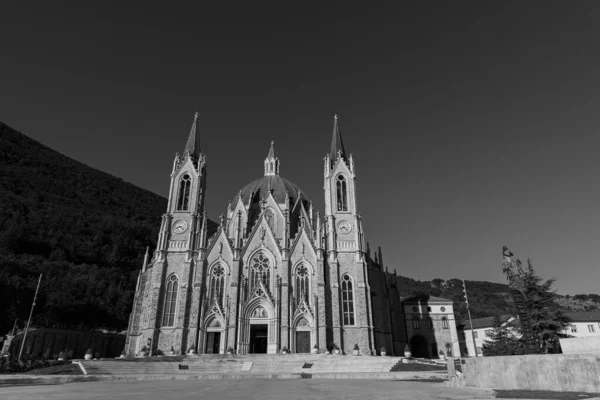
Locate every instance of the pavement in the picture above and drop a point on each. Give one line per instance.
(263, 389)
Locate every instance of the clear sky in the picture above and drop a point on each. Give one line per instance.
(473, 125)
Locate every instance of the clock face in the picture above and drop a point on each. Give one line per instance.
(180, 226)
(344, 227)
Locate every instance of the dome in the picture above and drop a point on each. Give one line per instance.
(260, 187)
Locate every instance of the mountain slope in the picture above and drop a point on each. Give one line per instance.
(84, 229)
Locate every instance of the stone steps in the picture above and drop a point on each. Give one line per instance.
(261, 364)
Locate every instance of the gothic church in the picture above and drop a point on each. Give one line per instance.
(273, 274)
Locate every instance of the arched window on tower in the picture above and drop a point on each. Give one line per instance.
(170, 301)
(302, 284)
(347, 300)
(260, 270)
(342, 193)
(217, 284)
(183, 198)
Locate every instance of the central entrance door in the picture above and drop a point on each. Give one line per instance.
(302, 342)
(213, 342)
(258, 338)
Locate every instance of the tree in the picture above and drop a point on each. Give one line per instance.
(502, 342)
(546, 319)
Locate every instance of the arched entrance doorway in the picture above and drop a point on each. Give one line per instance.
(419, 347)
(302, 336)
(214, 337)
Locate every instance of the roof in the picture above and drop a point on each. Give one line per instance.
(336, 141)
(193, 143)
(426, 299)
(278, 185)
(584, 316)
(487, 322)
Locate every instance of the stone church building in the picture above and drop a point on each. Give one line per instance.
(273, 273)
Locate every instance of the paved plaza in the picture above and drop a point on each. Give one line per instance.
(272, 389)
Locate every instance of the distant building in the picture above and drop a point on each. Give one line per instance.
(274, 273)
(583, 324)
(482, 328)
(431, 327)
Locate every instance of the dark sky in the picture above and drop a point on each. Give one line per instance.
(473, 124)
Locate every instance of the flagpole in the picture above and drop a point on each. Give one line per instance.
(29, 320)
(470, 321)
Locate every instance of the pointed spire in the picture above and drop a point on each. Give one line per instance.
(337, 145)
(272, 161)
(193, 143)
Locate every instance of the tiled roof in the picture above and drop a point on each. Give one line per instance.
(486, 322)
(584, 316)
(426, 299)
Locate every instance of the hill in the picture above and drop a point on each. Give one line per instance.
(86, 231)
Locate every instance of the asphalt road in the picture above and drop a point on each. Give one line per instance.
(264, 389)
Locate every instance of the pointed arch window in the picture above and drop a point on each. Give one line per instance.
(183, 198)
(342, 193)
(217, 284)
(348, 300)
(260, 271)
(302, 284)
(170, 301)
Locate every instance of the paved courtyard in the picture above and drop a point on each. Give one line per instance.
(246, 389)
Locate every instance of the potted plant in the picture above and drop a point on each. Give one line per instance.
(90, 352)
(229, 350)
(61, 356)
(172, 351)
(192, 350)
(336, 349)
(407, 352)
(382, 350)
(315, 349)
(356, 349)
(284, 350)
(442, 355)
(122, 354)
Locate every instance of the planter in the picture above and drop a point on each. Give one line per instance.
(407, 354)
(315, 351)
(284, 352)
(442, 357)
(192, 352)
(383, 353)
(88, 357)
(355, 352)
(336, 351)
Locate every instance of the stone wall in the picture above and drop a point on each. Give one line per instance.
(553, 372)
(48, 343)
(589, 344)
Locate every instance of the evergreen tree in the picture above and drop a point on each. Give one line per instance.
(546, 319)
(502, 342)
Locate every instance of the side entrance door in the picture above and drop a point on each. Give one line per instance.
(302, 342)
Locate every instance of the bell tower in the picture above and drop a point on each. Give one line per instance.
(182, 221)
(352, 318)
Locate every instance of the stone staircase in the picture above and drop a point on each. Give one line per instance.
(243, 364)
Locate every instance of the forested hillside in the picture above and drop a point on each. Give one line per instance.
(84, 229)
(87, 231)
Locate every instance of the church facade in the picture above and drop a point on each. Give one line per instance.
(273, 274)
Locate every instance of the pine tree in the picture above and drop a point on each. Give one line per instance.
(546, 319)
(502, 342)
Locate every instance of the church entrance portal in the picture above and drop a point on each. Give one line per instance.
(258, 338)
(213, 342)
(303, 342)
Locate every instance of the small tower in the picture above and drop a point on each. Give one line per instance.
(272, 161)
